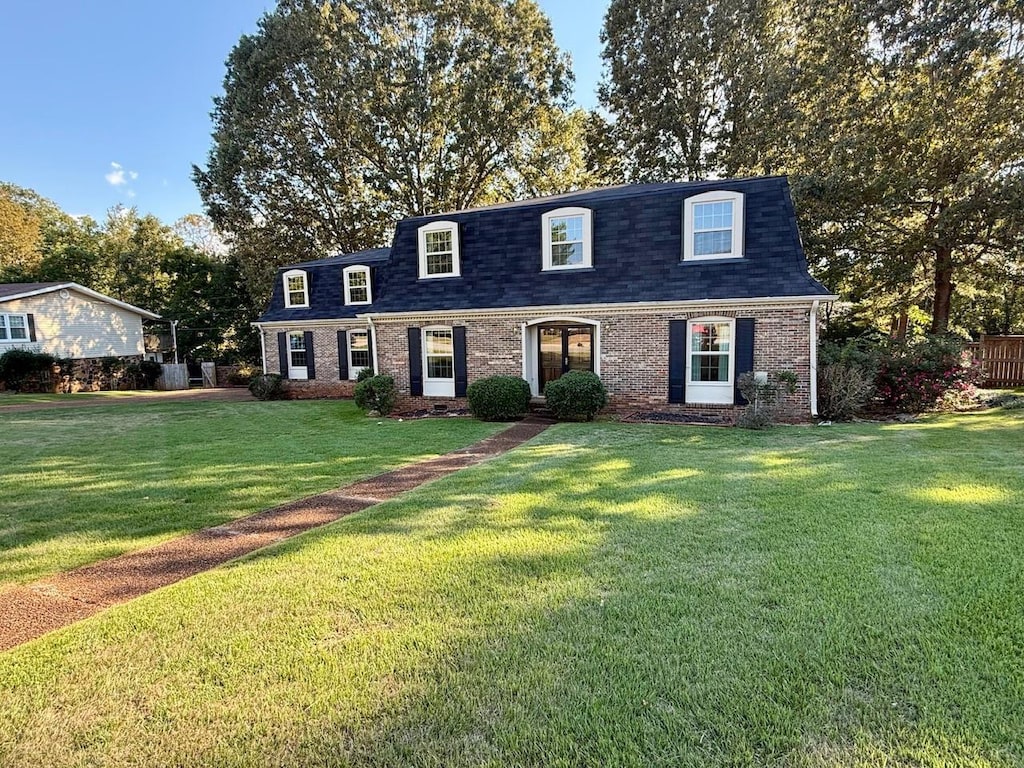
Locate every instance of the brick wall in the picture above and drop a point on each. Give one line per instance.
(633, 348)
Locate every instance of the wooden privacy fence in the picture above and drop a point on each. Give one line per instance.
(1002, 360)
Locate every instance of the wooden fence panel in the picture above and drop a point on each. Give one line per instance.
(209, 371)
(173, 377)
(1002, 360)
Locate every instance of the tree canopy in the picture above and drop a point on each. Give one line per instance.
(338, 118)
(899, 123)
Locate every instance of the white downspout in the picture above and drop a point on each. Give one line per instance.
(373, 342)
(814, 357)
(263, 346)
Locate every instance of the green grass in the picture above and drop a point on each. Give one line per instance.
(83, 485)
(605, 595)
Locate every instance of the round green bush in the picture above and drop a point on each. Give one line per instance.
(377, 393)
(364, 374)
(266, 386)
(499, 398)
(576, 395)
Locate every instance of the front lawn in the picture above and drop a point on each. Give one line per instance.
(80, 485)
(607, 594)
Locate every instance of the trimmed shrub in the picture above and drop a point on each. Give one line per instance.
(377, 393)
(16, 365)
(266, 386)
(576, 395)
(499, 398)
(243, 374)
(364, 374)
(142, 374)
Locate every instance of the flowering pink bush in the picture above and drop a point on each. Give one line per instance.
(927, 374)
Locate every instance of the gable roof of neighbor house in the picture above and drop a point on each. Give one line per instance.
(637, 256)
(12, 291)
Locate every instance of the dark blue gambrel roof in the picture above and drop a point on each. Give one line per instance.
(326, 291)
(637, 255)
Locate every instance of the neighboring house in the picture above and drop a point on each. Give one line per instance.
(667, 291)
(68, 320)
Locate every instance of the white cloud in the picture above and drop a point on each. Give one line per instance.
(118, 176)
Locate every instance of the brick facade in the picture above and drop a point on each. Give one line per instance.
(632, 345)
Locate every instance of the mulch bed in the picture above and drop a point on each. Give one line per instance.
(32, 610)
(658, 417)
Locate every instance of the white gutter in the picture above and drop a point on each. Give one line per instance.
(814, 357)
(263, 346)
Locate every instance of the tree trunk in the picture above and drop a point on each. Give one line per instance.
(943, 289)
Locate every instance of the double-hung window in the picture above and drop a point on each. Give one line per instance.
(567, 239)
(709, 365)
(13, 328)
(357, 285)
(297, 359)
(438, 362)
(713, 226)
(358, 352)
(296, 289)
(439, 250)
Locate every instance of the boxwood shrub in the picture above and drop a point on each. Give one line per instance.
(499, 398)
(377, 394)
(576, 395)
(266, 386)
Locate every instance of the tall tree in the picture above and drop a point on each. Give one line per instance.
(339, 117)
(899, 121)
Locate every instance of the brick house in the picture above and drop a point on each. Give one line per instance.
(667, 291)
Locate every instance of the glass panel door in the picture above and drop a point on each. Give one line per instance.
(550, 355)
(564, 348)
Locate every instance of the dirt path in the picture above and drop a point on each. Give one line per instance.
(224, 394)
(30, 611)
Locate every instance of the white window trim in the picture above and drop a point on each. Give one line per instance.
(297, 372)
(305, 288)
(723, 390)
(6, 324)
(353, 370)
(433, 387)
(719, 196)
(439, 226)
(588, 239)
(348, 272)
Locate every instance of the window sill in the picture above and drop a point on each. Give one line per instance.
(711, 259)
(549, 270)
(437, 277)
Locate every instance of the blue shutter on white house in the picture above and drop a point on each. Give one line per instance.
(307, 337)
(677, 361)
(744, 354)
(343, 355)
(415, 362)
(282, 353)
(459, 355)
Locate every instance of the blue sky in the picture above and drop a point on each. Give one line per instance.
(108, 101)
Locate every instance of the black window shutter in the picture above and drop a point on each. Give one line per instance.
(310, 362)
(677, 361)
(282, 353)
(744, 353)
(415, 362)
(459, 352)
(343, 355)
(31, 326)
(369, 348)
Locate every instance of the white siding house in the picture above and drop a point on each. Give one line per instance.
(68, 320)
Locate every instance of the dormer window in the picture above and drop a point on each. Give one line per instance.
(296, 289)
(439, 249)
(713, 226)
(567, 238)
(357, 285)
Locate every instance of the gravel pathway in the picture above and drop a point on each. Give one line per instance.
(32, 610)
